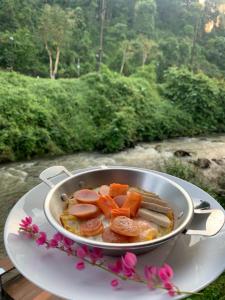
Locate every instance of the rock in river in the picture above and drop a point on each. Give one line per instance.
(203, 163)
(181, 153)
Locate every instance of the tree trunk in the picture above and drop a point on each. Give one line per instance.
(103, 10)
(50, 61)
(123, 62)
(144, 58)
(56, 62)
(193, 48)
(195, 39)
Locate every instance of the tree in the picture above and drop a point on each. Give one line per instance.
(207, 20)
(195, 40)
(216, 51)
(55, 25)
(8, 15)
(146, 47)
(102, 24)
(15, 14)
(128, 52)
(18, 51)
(144, 20)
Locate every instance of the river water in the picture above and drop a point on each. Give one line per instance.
(17, 178)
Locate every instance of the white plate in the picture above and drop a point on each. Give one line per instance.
(196, 261)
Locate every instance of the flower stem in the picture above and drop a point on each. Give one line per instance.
(101, 265)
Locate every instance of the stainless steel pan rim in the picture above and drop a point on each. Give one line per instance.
(120, 246)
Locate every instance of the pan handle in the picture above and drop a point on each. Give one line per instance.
(214, 222)
(48, 173)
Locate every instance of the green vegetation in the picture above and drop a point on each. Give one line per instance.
(177, 168)
(104, 111)
(170, 51)
(188, 172)
(58, 38)
(203, 98)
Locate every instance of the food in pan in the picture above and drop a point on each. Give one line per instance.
(117, 213)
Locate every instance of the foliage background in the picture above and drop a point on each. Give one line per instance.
(169, 53)
(104, 111)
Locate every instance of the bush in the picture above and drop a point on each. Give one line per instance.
(199, 96)
(103, 111)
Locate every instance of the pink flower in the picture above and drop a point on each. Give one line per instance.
(69, 251)
(171, 293)
(150, 284)
(53, 243)
(168, 271)
(165, 273)
(128, 263)
(58, 237)
(96, 254)
(35, 228)
(167, 285)
(67, 242)
(41, 239)
(130, 260)
(81, 252)
(26, 222)
(28, 235)
(128, 272)
(170, 288)
(125, 266)
(114, 283)
(115, 267)
(150, 272)
(80, 265)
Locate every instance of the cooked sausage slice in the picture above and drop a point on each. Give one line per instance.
(86, 196)
(144, 224)
(84, 211)
(91, 227)
(112, 237)
(124, 226)
(104, 190)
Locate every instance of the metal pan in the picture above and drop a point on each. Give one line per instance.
(178, 199)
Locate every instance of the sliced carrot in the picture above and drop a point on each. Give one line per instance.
(106, 204)
(86, 196)
(117, 189)
(91, 227)
(120, 200)
(120, 212)
(104, 190)
(133, 202)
